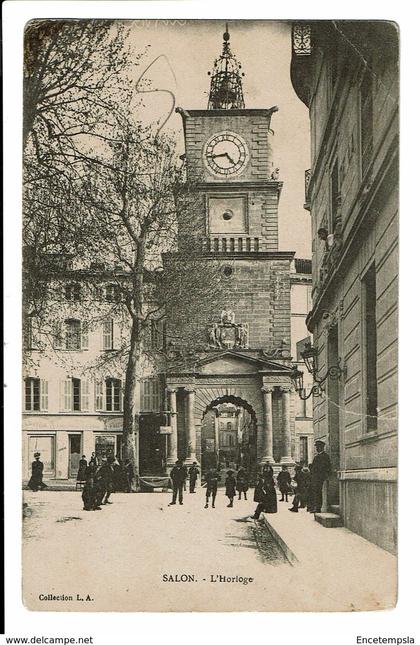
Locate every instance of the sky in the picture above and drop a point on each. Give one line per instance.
(186, 50)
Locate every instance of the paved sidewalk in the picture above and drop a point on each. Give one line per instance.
(351, 573)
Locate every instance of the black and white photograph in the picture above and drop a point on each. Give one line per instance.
(209, 303)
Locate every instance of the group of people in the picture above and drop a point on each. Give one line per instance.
(101, 477)
(307, 481)
(305, 484)
(180, 473)
(122, 472)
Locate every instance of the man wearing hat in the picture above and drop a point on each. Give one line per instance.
(320, 471)
(35, 482)
(178, 476)
(193, 473)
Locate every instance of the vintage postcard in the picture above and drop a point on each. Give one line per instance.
(210, 303)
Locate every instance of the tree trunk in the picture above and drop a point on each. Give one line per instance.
(129, 426)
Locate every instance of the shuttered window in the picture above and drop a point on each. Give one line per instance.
(113, 395)
(32, 394)
(150, 395)
(108, 335)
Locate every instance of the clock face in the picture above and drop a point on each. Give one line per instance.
(226, 154)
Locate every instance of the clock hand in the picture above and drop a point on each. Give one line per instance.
(224, 154)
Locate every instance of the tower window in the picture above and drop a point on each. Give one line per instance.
(227, 271)
(227, 215)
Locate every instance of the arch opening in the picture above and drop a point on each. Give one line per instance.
(229, 434)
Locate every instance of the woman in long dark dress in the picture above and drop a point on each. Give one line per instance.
(35, 482)
(242, 482)
(230, 484)
(265, 494)
(81, 473)
(270, 498)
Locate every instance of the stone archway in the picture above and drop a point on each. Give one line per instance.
(212, 449)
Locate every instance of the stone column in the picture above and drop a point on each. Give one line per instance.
(268, 425)
(190, 425)
(173, 437)
(216, 435)
(286, 459)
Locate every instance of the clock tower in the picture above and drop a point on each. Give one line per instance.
(244, 359)
(229, 158)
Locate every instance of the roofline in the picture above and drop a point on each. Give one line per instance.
(223, 113)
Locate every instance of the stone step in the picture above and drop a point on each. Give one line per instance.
(329, 520)
(334, 508)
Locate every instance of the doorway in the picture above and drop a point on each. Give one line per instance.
(152, 453)
(75, 452)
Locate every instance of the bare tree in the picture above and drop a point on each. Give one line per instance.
(103, 200)
(132, 194)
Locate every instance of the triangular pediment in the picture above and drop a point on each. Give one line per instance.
(237, 363)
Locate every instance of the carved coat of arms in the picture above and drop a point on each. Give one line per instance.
(226, 333)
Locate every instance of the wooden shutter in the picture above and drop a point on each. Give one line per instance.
(44, 395)
(107, 335)
(155, 394)
(84, 385)
(65, 395)
(84, 335)
(58, 335)
(99, 395)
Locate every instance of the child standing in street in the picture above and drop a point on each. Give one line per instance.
(210, 482)
(230, 484)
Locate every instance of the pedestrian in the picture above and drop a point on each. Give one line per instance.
(99, 486)
(178, 476)
(296, 486)
(193, 473)
(211, 481)
(37, 469)
(230, 484)
(267, 469)
(320, 471)
(270, 495)
(94, 460)
(267, 494)
(283, 481)
(89, 491)
(303, 483)
(108, 479)
(259, 496)
(81, 473)
(242, 482)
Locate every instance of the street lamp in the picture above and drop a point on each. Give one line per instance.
(310, 355)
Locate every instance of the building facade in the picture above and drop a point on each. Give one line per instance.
(300, 306)
(245, 357)
(347, 75)
(243, 364)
